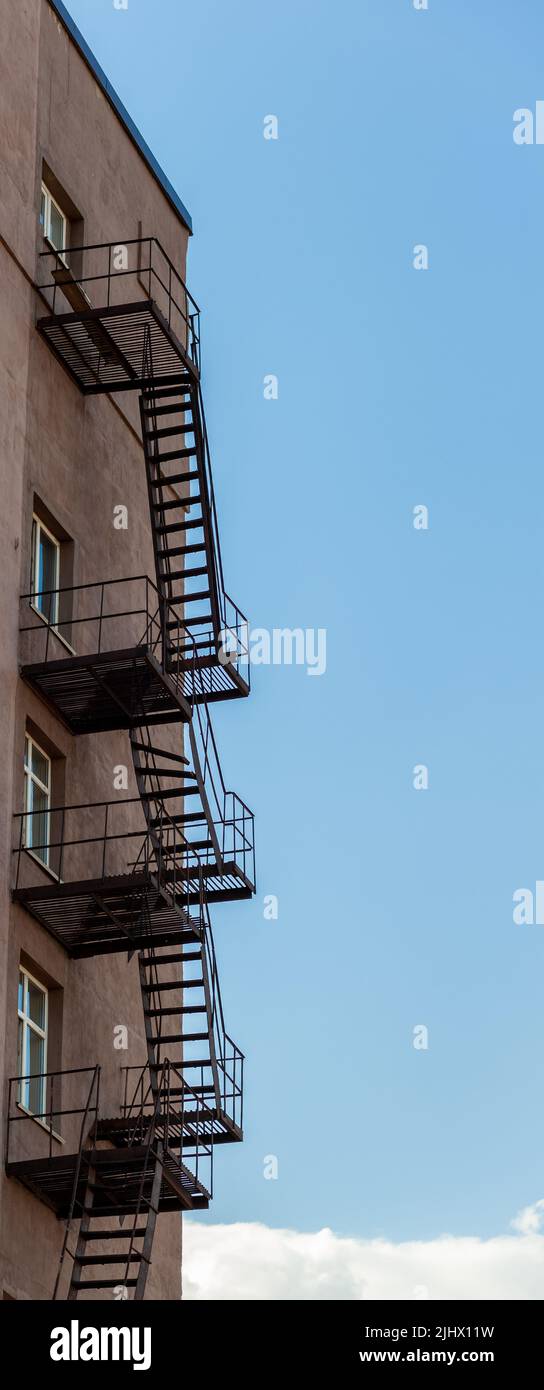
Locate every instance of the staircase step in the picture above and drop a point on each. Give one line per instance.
(175, 502)
(114, 1235)
(194, 622)
(172, 984)
(157, 822)
(164, 794)
(172, 454)
(169, 576)
(190, 573)
(168, 1038)
(188, 1062)
(121, 1259)
(164, 772)
(160, 752)
(186, 622)
(168, 431)
(159, 393)
(176, 984)
(171, 409)
(174, 959)
(193, 598)
(166, 530)
(208, 1089)
(175, 478)
(164, 1013)
(181, 550)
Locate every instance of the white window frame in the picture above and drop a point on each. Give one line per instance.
(50, 202)
(31, 780)
(29, 1025)
(39, 527)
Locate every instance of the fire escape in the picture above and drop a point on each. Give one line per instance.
(137, 874)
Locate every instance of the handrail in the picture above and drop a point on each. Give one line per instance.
(178, 644)
(77, 1170)
(173, 285)
(124, 241)
(50, 1110)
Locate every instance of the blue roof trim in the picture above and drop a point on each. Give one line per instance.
(122, 112)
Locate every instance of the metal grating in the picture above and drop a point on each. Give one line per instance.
(95, 918)
(117, 690)
(104, 349)
(123, 1171)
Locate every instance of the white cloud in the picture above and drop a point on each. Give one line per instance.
(250, 1261)
(530, 1219)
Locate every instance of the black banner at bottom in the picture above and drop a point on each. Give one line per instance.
(322, 1338)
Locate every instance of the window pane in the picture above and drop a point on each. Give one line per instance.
(56, 232)
(43, 209)
(20, 1057)
(36, 1004)
(48, 558)
(40, 765)
(33, 583)
(22, 1090)
(21, 994)
(38, 824)
(36, 1054)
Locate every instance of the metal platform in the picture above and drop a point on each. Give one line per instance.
(223, 1131)
(113, 690)
(105, 348)
(97, 917)
(124, 1173)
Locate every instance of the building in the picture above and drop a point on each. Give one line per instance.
(119, 1079)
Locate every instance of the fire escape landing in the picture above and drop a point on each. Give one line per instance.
(137, 874)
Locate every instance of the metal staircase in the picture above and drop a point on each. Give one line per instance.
(184, 1020)
(88, 1258)
(187, 551)
(188, 648)
(186, 804)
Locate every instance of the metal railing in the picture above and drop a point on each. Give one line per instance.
(175, 649)
(233, 822)
(230, 1059)
(50, 1083)
(167, 1107)
(116, 852)
(140, 263)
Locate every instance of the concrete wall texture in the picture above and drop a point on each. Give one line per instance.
(80, 456)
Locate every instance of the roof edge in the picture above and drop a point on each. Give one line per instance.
(121, 111)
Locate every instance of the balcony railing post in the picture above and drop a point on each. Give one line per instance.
(100, 617)
(105, 839)
(9, 1118)
(22, 826)
(61, 856)
(51, 1115)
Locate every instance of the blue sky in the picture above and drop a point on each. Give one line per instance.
(395, 388)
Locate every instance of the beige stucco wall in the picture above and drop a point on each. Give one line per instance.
(82, 457)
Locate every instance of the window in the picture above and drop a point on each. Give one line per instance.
(37, 802)
(45, 572)
(53, 221)
(32, 1044)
